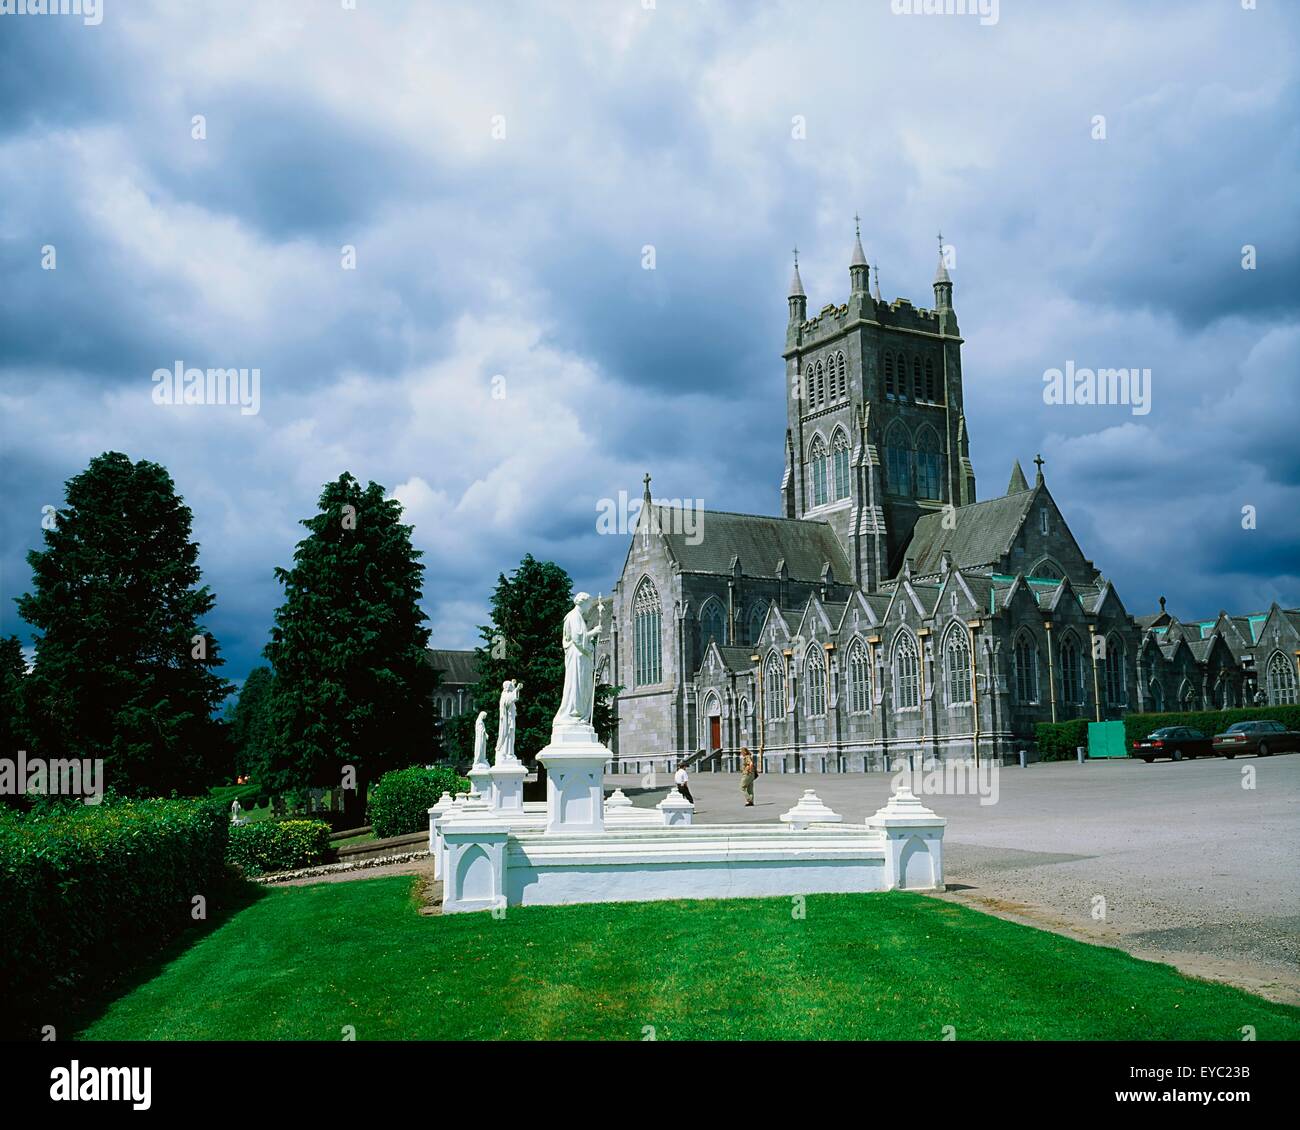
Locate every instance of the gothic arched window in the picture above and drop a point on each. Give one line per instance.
(957, 659)
(907, 685)
(917, 388)
(1071, 671)
(843, 372)
(929, 466)
(647, 645)
(1281, 681)
(1157, 697)
(817, 466)
(859, 679)
(1026, 662)
(712, 624)
(840, 461)
(898, 460)
(806, 393)
(774, 686)
(814, 686)
(1187, 695)
(889, 373)
(929, 381)
(1114, 671)
(821, 384)
(757, 615)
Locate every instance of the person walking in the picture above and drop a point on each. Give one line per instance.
(747, 776)
(683, 781)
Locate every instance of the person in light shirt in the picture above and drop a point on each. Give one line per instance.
(683, 781)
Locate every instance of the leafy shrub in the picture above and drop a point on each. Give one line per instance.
(87, 890)
(400, 801)
(278, 845)
(1057, 740)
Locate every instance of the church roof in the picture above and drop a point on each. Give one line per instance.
(455, 666)
(761, 544)
(981, 535)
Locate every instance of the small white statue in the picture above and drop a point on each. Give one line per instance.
(480, 740)
(505, 751)
(579, 696)
(236, 813)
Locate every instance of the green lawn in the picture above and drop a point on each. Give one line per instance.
(302, 962)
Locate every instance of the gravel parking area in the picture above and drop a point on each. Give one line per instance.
(1173, 862)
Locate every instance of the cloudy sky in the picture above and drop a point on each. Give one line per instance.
(499, 169)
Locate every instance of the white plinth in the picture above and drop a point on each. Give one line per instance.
(617, 801)
(507, 792)
(480, 781)
(444, 803)
(676, 809)
(913, 838)
(475, 864)
(810, 810)
(575, 779)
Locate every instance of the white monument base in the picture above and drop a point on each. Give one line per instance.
(507, 791)
(575, 778)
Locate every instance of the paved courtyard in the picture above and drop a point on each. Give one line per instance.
(1194, 869)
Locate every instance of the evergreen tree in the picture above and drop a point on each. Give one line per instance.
(13, 671)
(250, 724)
(524, 642)
(124, 666)
(353, 678)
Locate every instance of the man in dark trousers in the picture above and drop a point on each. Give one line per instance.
(683, 781)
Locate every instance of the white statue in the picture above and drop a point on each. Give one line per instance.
(505, 753)
(480, 740)
(579, 697)
(236, 813)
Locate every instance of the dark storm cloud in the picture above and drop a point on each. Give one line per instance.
(521, 257)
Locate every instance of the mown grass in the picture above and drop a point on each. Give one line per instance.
(303, 962)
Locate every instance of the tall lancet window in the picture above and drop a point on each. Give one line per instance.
(647, 635)
(907, 686)
(774, 687)
(840, 459)
(815, 682)
(859, 679)
(929, 466)
(817, 466)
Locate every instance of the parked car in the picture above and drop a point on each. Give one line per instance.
(1176, 742)
(1263, 738)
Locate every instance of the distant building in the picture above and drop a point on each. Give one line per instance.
(886, 612)
(458, 676)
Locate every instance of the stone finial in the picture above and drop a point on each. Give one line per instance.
(810, 810)
(1018, 481)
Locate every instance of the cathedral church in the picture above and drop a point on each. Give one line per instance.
(888, 612)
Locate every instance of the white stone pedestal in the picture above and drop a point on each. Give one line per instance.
(810, 810)
(475, 864)
(913, 843)
(575, 778)
(676, 809)
(480, 782)
(507, 792)
(444, 804)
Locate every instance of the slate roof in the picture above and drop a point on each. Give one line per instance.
(737, 658)
(455, 666)
(982, 535)
(760, 543)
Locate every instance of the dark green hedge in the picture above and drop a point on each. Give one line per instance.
(1210, 722)
(1057, 740)
(86, 891)
(278, 845)
(400, 801)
